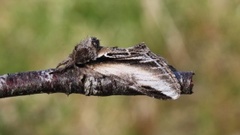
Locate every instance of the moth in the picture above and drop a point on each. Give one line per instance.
(148, 73)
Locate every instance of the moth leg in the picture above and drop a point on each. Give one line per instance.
(64, 62)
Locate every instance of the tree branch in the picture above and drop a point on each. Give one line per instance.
(76, 80)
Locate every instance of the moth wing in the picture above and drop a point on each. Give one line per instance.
(151, 73)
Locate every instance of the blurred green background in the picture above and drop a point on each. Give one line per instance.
(201, 36)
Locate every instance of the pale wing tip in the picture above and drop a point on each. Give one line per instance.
(173, 94)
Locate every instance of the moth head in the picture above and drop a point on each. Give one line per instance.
(91, 42)
(95, 42)
(186, 82)
(87, 50)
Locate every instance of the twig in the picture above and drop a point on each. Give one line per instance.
(76, 80)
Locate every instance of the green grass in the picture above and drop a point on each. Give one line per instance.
(202, 36)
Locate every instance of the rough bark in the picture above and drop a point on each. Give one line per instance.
(75, 80)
